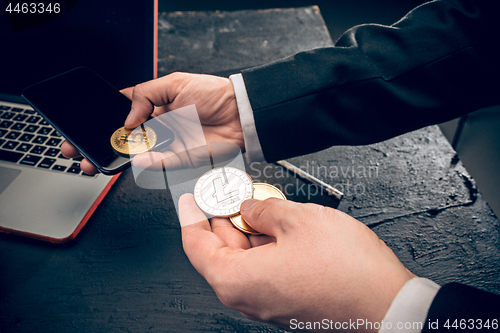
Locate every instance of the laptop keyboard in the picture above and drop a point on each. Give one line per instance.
(27, 139)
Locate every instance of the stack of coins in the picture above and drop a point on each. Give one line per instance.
(126, 142)
(261, 191)
(221, 191)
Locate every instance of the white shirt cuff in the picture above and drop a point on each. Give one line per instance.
(252, 144)
(410, 307)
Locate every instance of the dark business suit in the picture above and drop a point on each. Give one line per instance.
(466, 308)
(439, 62)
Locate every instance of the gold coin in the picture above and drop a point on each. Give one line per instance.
(261, 191)
(127, 142)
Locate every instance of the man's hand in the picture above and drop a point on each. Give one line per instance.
(318, 263)
(213, 97)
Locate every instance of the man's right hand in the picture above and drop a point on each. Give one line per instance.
(213, 97)
(315, 263)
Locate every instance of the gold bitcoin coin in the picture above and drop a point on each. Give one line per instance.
(261, 191)
(126, 142)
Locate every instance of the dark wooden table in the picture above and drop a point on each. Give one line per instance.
(127, 272)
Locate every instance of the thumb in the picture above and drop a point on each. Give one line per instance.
(270, 217)
(146, 96)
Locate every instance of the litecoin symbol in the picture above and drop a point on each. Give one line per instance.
(220, 191)
(219, 194)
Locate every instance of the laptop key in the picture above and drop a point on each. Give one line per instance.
(30, 160)
(4, 107)
(18, 126)
(13, 135)
(44, 123)
(10, 156)
(26, 137)
(55, 133)
(44, 130)
(59, 167)
(24, 147)
(1, 142)
(46, 163)
(28, 111)
(20, 117)
(33, 119)
(10, 145)
(2, 132)
(40, 140)
(62, 156)
(7, 115)
(53, 142)
(17, 110)
(75, 168)
(31, 128)
(52, 152)
(5, 124)
(38, 150)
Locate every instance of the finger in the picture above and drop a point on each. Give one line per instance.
(233, 238)
(88, 167)
(128, 92)
(68, 150)
(155, 161)
(270, 217)
(260, 240)
(199, 242)
(148, 161)
(190, 213)
(145, 97)
(170, 160)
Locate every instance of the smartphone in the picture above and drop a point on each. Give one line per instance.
(86, 110)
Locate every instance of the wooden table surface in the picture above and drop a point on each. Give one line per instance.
(127, 272)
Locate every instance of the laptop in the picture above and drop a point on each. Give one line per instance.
(42, 194)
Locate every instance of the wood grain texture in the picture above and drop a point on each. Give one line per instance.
(127, 272)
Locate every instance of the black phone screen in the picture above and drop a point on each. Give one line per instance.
(86, 109)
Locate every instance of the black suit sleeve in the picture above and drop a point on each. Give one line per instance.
(459, 308)
(437, 63)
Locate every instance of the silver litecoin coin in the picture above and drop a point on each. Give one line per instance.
(220, 191)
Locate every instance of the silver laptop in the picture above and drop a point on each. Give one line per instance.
(42, 194)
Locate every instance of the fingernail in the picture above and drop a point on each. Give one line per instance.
(247, 204)
(129, 118)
